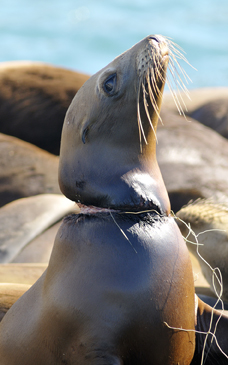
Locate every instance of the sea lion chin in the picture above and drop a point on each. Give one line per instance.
(108, 148)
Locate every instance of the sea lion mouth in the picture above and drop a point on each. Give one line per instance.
(92, 209)
(143, 208)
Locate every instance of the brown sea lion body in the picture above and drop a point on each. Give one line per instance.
(189, 168)
(34, 98)
(22, 220)
(25, 170)
(119, 287)
(209, 106)
(111, 314)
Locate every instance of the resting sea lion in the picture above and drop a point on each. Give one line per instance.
(209, 221)
(34, 98)
(25, 170)
(189, 168)
(40, 248)
(24, 219)
(207, 105)
(214, 114)
(119, 287)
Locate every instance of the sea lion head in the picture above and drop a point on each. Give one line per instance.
(108, 146)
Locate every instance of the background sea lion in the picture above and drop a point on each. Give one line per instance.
(39, 249)
(207, 105)
(24, 219)
(214, 114)
(25, 170)
(189, 168)
(34, 98)
(209, 221)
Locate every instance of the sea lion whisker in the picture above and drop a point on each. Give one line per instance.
(176, 75)
(159, 67)
(178, 85)
(175, 97)
(154, 104)
(177, 51)
(123, 233)
(154, 84)
(184, 73)
(151, 95)
(174, 45)
(181, 102)
(178, 79)
(147, 111)
(143, 211)
(156, 70)
(178, 54)
(140, 126)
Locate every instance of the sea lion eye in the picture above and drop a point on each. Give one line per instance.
(109, 84)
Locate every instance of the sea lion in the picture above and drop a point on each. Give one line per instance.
(194, 99)
(119, 286)
(24, 219)
(25, 170)
(189, 169)
(214, 114)
(209, 106)
(34, 98)
(40, 248)
(208, 220)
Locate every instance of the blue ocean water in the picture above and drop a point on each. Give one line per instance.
(86, 35)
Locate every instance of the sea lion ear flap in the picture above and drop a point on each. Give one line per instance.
(84, 134)
(85, 130)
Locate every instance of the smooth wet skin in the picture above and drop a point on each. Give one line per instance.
(118, 282)
(107, 300)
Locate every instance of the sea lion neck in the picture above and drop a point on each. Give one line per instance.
(108, 147)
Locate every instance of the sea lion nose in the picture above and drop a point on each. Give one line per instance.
(154, 38)
(160, 42)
